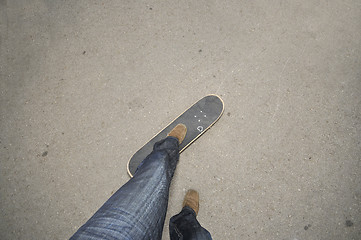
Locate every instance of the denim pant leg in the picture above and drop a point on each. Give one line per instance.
(138, 209)
(185, 226)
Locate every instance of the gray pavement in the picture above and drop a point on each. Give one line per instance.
(84, 84)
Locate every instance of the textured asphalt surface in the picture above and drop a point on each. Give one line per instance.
(84, 84)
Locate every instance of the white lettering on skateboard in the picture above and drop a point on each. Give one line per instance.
(200, 128)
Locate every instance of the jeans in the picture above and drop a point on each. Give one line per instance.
(185, 226)
(138, 209)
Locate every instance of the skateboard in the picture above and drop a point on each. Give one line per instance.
(198, 119)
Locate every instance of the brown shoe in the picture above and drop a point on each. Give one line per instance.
(178, 132)
(191, 199)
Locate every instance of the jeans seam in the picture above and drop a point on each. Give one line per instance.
(178, 232)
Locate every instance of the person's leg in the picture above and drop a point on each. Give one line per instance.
(185, 226)
(137, 210)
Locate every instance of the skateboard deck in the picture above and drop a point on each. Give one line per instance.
(198, 119)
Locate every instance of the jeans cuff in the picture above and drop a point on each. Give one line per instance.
(169, 143)
(187, 209)
(171, 137)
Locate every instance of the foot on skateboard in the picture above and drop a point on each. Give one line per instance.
(178, 132)
(198, 119)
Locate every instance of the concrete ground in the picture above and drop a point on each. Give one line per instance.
(84, 84)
